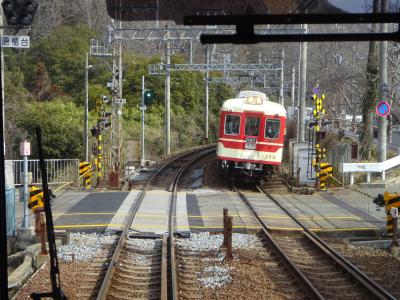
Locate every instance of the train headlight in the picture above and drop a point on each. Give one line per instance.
(254, 100)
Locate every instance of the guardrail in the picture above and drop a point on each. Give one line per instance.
(59, 171)
(369, 168)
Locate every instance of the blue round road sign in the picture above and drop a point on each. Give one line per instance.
(383, 109)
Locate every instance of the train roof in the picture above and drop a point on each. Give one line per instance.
(241, 105)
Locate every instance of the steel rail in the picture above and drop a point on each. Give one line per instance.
(174, 189)
(133, 210)
(308, 287)
(345, 264)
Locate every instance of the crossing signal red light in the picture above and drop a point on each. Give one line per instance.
(19, 12)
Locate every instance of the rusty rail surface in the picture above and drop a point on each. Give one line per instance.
(106, 283)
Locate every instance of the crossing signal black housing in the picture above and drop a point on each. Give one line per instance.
(148, 96)
(96, 131)
(19, 13)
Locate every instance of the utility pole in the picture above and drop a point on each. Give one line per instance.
(293, 84)
(382, 123)
(303, 81)
(86, 118)
(206, 75)
(281, 98)
(25, 151)
(167, 99)
(143, 109)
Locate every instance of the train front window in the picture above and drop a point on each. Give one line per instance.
(232, 124)
(252, 126)
(272, 128)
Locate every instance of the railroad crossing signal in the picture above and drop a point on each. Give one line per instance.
(19, 12)
(322, 168)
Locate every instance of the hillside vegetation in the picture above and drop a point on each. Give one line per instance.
(44, 86)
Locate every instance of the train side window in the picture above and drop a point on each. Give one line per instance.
(232, 124)
(272, 128)
(252, 126)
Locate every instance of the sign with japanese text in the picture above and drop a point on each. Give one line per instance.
(25, 148)
(10, 41)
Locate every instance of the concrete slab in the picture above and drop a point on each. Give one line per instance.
(119, 219)
(320, 214)
(270, 213)
(152, 216)
(182, 222)
(205, 212)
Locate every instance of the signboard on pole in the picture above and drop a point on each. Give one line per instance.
(25, 148)
(12, 41)
(383, 109)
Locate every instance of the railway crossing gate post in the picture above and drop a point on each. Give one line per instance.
(322, 168)
(85, 171)
(391, 201)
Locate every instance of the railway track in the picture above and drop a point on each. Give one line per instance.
(143, 267)
(321, 271)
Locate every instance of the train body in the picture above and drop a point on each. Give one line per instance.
(251, 135)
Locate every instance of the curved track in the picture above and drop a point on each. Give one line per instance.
(322, 272)
(149, 273)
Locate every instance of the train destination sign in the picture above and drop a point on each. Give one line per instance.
(383, 109)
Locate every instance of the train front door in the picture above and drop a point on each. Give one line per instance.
(252, 131)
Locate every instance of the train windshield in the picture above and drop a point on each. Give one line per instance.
(232, 124)
(272, 128)
(252, 125)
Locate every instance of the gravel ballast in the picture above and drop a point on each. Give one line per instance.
(75, 260)
(244, 277)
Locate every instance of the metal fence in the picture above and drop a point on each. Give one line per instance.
(59, 171)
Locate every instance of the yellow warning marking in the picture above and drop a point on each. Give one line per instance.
(345, 229)
(78, 214)
(86, 225)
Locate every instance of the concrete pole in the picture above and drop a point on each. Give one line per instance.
(298, 78)
(167, 100)
(120, 107)
(142, 108)
(206, 75)
(382, 124)
(25, 222)
(281, 98)
(191, 52)
(293, 84)
(86, 118)
(303, 86)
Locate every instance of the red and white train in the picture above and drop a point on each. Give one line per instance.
(251, 135)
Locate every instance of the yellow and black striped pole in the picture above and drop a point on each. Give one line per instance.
(99, 161)
(391, 201)
(85, 171)
(35, 198)
(323, 169)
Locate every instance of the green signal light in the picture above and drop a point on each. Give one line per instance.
(148, 96)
